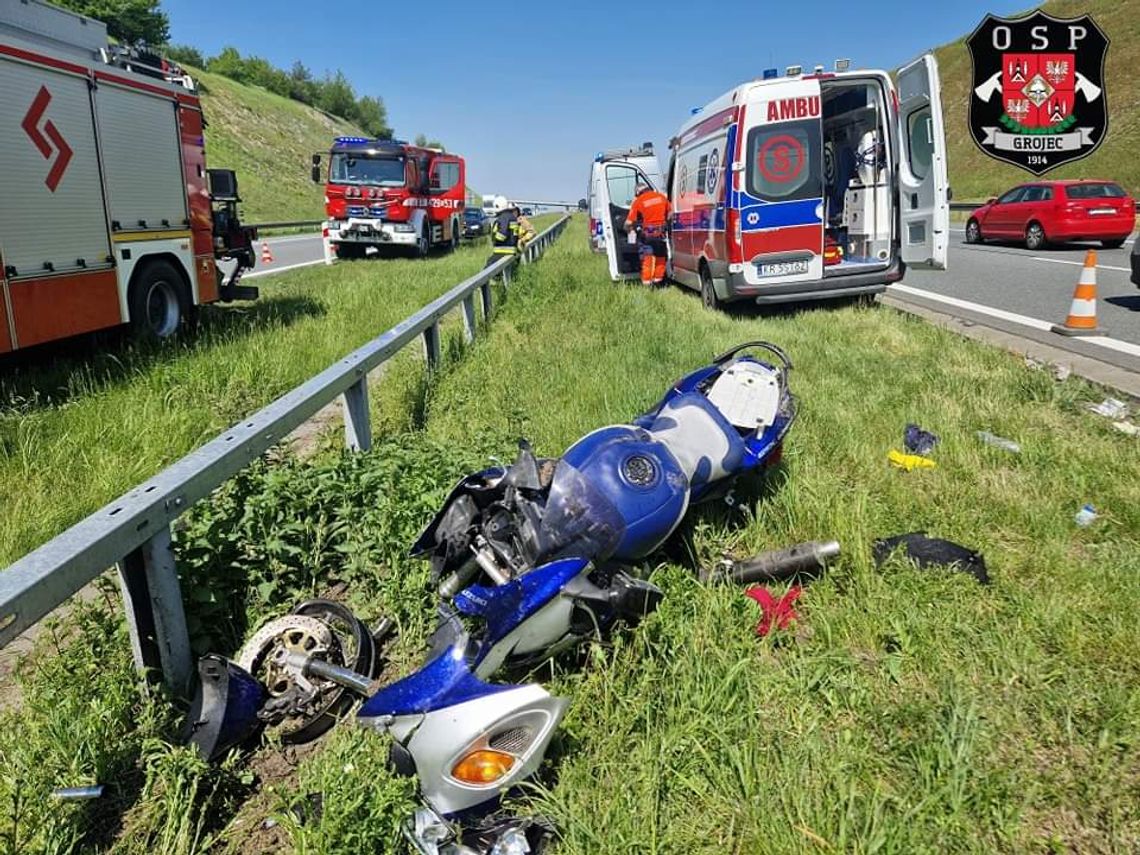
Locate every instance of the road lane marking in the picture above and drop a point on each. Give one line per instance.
(1100, 340)
(1079, 263)
(1013, 317)
(283, 269)
(1114, 344)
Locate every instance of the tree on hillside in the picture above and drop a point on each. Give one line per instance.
(336, 96)
(127, 20)
(185, 55)
(302, 86)
(372, 116)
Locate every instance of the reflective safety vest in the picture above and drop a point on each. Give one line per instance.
(653, 208)
(505, 234)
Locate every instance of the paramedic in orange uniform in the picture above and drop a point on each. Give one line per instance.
(649, 213)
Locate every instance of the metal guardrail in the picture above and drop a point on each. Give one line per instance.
(133, 532)
(297, 225)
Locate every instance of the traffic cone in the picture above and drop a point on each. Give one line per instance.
(266, 255)
(1082, 313)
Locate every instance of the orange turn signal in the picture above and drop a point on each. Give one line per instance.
(484, 766)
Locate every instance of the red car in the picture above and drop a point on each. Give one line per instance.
(1045, 212)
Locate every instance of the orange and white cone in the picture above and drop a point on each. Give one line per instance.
(1082, 313)
(266, 255)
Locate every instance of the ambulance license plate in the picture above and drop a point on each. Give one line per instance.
(782, 268)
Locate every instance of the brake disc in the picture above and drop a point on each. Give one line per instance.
(292, 698)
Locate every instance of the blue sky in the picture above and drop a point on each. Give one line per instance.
(528, 97)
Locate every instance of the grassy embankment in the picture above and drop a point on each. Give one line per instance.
(906, 711)
(91, 423)
(268, 140)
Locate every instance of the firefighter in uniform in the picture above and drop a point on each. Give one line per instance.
(510, 233)
(649, 217)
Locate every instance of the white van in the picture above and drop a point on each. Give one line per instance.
(807, 186)
(613, 176)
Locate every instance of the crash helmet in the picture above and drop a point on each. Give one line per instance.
(501, 204)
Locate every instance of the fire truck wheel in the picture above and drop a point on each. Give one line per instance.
(158, 300)
(708, 293)
(454, 235)
(423, 245)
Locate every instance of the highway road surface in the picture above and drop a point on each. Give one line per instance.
(1004, 277)
(1037, 284)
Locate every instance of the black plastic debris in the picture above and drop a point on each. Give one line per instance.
(930, 552)
(919, 441)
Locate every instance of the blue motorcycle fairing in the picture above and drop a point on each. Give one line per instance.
(640, 477)
(443, 682)
(505, 607)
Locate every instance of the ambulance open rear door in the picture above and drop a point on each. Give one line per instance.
(924, 201)
(618, 186)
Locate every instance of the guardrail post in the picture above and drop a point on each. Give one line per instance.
(357, 427)
(507, 276)
(431, 346)
(152, 599)
(469, 317)
(485, 291)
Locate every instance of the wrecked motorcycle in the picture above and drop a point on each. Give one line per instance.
(531, 559)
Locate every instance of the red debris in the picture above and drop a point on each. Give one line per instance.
(780, 612)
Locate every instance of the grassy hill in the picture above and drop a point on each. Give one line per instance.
(268, 140)
(974, 175)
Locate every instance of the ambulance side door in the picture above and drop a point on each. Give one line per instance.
(618, 184)
(924, 198)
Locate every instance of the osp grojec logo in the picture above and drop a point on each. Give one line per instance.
(1038, 97)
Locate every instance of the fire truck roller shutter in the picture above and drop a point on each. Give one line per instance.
(142, 159)
(51, 219)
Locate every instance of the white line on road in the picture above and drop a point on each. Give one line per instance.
(1079, 263)
(283, 269)
(1114, 344)
(1013, 317)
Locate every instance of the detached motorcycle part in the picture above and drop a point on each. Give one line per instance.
(803, 559)
(224, 711)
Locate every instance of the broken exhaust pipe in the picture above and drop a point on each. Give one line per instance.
(777, 565)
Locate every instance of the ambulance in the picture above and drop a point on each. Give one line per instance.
(610, 191)
(806, 186)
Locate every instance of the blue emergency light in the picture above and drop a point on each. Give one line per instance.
(695, 110)
(771, 73)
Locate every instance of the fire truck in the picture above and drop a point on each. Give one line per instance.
(389, 193)
(108, 215)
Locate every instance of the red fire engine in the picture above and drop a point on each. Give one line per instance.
(385, 193)
(108, 215)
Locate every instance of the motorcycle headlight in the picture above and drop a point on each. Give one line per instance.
(483, 766)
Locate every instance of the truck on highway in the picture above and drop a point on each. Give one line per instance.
(390, 193)
(798, 186)
(109, 215)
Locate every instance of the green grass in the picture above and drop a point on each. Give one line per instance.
(83, 428)
(974, 175)
(268, 140)
(907, 711)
